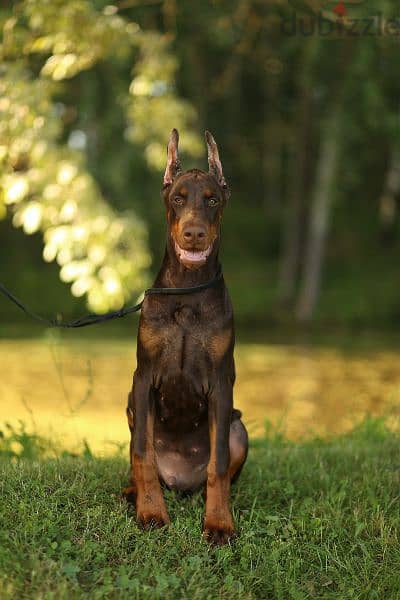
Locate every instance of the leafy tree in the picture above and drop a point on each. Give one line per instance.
(44, 180)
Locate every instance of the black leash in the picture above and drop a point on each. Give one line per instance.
(92, 319)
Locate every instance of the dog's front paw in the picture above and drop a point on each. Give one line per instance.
(218, 533)
(152, 519)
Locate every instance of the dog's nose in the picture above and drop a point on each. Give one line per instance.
(194, 234)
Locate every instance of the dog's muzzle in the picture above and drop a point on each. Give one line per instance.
(192, 258)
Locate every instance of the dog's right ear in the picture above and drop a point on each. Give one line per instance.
(173, 168)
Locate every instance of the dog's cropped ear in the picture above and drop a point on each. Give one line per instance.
(173, 167)
(214, 163)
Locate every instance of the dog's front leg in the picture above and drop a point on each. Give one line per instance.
(150, 505)
(218, 523)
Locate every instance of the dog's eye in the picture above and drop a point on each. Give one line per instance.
(212, 201)
(178, 200)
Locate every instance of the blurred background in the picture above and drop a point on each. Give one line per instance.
(302, 97)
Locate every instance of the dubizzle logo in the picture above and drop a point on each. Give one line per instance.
(340, 9)
(333, 20)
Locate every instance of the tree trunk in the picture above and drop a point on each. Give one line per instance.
(389, 196)
(324, 192)
(272, 150)
(293, 227)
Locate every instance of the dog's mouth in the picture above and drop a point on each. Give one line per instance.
(192, 258)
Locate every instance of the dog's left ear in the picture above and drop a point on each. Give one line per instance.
(214, 163)
(173, 167)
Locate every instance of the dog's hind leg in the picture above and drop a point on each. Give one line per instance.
(238, 446)
(129, 492)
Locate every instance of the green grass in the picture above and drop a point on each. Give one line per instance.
(316, 520)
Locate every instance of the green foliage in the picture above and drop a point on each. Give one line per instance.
(44, 182)
(103, 254)
(316, 520)
(18, 444)
(73, 35)
(154, 102)
(93, 89)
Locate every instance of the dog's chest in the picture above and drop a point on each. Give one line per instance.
(187, 338)
(186, 317)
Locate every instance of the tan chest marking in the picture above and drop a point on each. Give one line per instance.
(156, 340)
(152, 339)
(219, 344)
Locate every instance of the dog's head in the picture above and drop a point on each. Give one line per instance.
(195, 202)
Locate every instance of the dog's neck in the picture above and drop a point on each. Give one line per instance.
(174, 274)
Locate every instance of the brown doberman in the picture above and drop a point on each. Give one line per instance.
(184, 430)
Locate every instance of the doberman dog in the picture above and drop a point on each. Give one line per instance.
(185, 432)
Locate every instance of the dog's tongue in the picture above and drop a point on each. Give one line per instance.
(192, 257)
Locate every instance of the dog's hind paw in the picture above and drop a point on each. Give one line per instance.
(129, 493)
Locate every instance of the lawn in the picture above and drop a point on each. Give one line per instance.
(317, 519)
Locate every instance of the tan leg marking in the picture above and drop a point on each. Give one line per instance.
(218, 524)
(150, 505)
